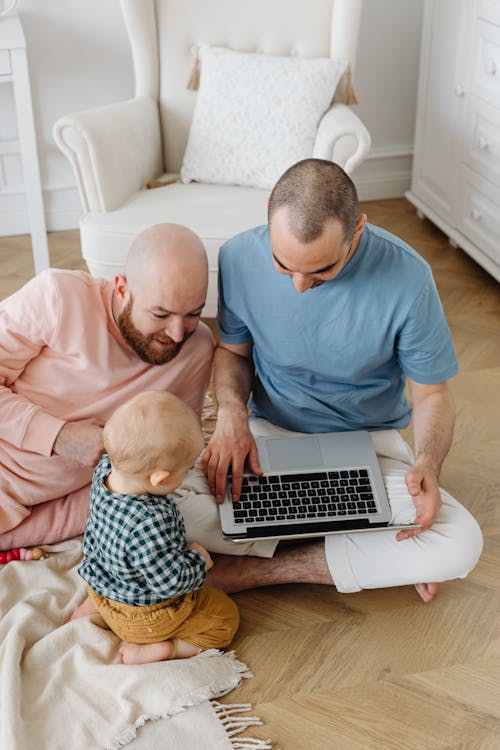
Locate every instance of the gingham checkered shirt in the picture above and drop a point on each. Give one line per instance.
(135, 546)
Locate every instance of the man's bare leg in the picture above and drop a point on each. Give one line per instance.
(84, 610)
(304, 563)
(300, 563)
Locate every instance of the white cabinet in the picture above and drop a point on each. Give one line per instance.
(456, 167)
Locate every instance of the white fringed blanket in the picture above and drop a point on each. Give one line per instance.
(63, 686)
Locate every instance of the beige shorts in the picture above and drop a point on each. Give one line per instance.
(206, 618)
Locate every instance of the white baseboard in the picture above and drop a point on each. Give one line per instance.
(386, 173)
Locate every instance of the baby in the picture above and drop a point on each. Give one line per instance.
(143, 578)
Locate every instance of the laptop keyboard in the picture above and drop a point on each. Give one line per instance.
(297, 497)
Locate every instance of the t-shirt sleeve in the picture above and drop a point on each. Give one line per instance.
(232, 329)
(425, 347)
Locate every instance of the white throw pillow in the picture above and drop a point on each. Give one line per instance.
(256, 115)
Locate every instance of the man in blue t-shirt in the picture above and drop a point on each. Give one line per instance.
(323, 319)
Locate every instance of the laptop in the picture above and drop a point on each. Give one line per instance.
(313, 485)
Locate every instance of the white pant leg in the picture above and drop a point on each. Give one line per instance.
(201, 519)
(450, 549)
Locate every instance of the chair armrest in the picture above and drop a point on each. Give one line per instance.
(114, 150)
(342, 138)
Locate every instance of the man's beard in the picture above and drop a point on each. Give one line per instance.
(144, 346)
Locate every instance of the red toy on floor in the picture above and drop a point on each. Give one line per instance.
(36, 553)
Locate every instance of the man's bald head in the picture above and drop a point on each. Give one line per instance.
(158, 302)
(167, 251)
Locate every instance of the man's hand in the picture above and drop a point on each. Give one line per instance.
(198, 548)
(433, 416)
(80, 441)
(424, 490)
(230, 445)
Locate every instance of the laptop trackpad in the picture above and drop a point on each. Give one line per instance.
(294, 453)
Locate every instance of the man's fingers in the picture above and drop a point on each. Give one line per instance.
(216, 462)
(211, 467)
(413, 485)
(221, 481)
(237, 476)
(425, 521)
(216, 471)
(407, 534)
(413, 480)
(205, 458)
(253, 460)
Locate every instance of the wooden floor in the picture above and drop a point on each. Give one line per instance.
(378, 669)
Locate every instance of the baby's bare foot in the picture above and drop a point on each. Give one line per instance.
(145, 653)
(84, 610)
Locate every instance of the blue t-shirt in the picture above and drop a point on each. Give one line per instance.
(335, 357)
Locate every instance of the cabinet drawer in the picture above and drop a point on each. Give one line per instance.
(5, 68)
(489, 10)
(479, 212)
(482, 139)
(485, 72)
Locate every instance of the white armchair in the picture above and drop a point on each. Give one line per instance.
(117, 150)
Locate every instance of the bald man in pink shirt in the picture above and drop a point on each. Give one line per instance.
(72, 349)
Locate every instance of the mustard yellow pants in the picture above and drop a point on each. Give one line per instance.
(206, 618)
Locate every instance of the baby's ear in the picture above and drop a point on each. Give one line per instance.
(158, 476)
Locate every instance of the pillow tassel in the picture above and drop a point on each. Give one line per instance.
(350, 94)
(194, 78)
(152, 184)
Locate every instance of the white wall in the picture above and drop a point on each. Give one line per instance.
(79, 57)
(386, 79)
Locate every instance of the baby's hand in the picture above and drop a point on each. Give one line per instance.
(203, 552)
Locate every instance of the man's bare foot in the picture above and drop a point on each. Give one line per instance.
(301, 563)
(84, 610)
(145, 653)
(427, 590)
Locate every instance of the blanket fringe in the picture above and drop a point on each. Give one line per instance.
(234, 725)
(238, 666)
(207, 692)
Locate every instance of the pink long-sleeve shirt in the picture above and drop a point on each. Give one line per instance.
(63, 358)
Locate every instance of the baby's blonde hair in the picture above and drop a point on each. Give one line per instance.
(152, 430)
